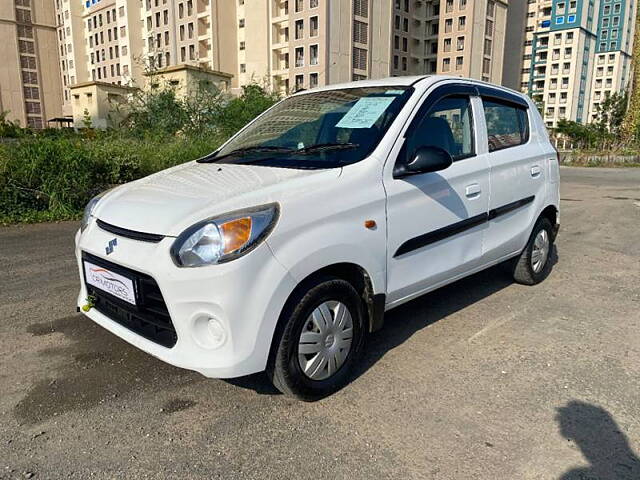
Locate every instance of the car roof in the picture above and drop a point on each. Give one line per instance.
(406, 81)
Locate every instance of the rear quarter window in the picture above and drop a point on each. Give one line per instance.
(507, 125)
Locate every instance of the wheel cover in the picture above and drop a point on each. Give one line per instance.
(540, 251)
(325, 341)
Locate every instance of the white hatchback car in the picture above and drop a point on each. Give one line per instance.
(283, 248)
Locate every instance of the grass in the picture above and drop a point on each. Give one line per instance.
(45, 179)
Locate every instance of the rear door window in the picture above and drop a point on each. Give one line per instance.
(507, 125)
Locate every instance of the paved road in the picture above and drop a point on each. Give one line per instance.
(484, 379)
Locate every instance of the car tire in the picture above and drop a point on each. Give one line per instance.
(534, 263)
(320, 340)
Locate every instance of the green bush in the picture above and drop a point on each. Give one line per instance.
(52, 174)
(46, 179)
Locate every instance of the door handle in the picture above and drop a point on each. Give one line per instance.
(536, 171)
(472, 191)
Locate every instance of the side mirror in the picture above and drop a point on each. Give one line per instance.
(427, 159)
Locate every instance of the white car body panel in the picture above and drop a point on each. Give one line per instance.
(322, 215)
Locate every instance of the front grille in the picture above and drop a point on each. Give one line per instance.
(149, 318)
(124, 232)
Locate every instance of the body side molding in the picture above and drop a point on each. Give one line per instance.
(428, 238)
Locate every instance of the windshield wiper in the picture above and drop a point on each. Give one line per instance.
(321, 147)
(240, 151)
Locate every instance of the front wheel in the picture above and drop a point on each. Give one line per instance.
(321, 342)
(534, 263)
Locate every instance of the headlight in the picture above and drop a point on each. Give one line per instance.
(224, 238)
(88, 210)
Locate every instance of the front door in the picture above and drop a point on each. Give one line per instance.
(436, 220)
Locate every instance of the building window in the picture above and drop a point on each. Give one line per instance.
(488, 28)
(462, 22)
(242, 45)
(360, 32)
(313, 55)
(313, 27)
(446, 64)
(486, 66)
(459, 63)
(313, 3)
(361, 8)
(243, 68)
(241, 23)
(491, 7)
(299, 82)
(359, 58)
(299, 54)
(447, 45)
(460, 43)
(488, 44)
(313, 80)
(299, 29)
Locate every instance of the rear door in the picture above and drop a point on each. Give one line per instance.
(518, 172)
(436, 220)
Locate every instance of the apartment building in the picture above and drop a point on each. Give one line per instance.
(98, 40)
(117, 41)
(30, 88)
(317, 42)
(614, 43)
(570, 61)
(287, 45)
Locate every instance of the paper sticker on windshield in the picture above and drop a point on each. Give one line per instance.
(394, 92)
(365, 112)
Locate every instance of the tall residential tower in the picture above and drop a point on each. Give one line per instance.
(576, 53)
(30, 88)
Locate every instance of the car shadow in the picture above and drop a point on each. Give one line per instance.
(402, 322)
(601, 441)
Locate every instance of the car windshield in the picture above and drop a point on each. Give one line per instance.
(317, 130)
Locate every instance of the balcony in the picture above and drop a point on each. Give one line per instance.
(202, 8)
(279, 11)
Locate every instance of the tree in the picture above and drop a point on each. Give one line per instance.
(611, 113)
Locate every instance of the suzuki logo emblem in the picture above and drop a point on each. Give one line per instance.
(111, 245)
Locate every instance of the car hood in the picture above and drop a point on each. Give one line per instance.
(169, 201)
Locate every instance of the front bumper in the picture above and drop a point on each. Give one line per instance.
(245, 296)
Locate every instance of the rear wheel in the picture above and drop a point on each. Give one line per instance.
(321, 342)
(534, 264)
